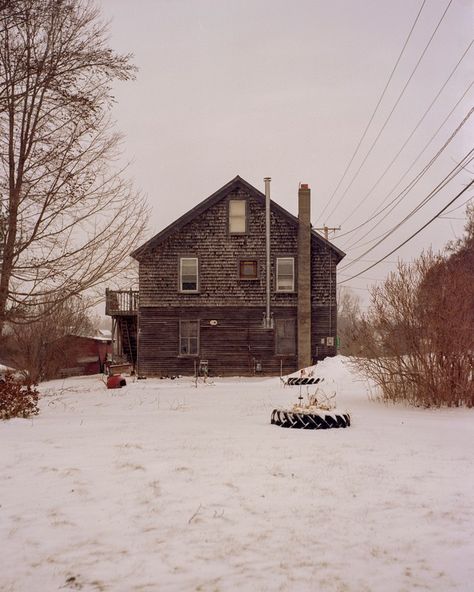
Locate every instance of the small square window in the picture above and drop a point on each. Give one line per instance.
(237, 216)
(248, 269)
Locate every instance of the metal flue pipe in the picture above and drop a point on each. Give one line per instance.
(268, 320)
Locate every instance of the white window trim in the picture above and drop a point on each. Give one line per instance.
(277, 288)
(181, 289)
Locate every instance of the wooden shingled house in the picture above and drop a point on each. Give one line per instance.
(205, 297)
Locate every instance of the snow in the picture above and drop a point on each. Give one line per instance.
(161, 486)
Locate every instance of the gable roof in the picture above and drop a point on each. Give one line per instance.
(236, 183)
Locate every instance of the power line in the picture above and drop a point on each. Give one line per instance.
(377, 213)
(376, 106)
(354, 287)
(460, 206)
(450, 218)
(389, 166)
(374, 143)
(364, 277)
(368, 260)
(413, 235)
(443, 183)
(414, 181)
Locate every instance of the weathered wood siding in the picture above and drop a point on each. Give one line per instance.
(238, 339)
(232, 346)
(207, 238)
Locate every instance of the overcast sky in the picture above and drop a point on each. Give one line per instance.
(285, 89)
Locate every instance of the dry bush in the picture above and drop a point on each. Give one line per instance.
(418, 335)
(36, 348)
(17, 399)
(348, 321)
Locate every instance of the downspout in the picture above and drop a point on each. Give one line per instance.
(267, 321)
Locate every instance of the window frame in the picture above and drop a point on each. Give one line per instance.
(277, 342)
(239, 269)
(285, 290)
(245, 231)
(198, 344)
(180, 274)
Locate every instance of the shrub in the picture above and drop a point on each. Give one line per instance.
(417, 338)
(17, 398)
(36, 346)
(418, 334)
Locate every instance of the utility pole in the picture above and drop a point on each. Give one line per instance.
(325, 230)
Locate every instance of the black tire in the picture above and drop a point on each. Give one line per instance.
(299, 381)
(309, 421)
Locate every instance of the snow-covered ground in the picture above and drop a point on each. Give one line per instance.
(162, 486)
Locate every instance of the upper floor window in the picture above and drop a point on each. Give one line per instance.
(237, 216)
(285, 274)
(248, 269)
(188, 274)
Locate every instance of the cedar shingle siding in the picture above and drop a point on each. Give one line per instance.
(235, 341)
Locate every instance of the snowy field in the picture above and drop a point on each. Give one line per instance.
(161, 486)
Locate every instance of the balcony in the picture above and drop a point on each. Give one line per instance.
(121, 302)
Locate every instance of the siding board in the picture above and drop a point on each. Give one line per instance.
(232, 346)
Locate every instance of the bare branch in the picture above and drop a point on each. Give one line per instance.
(68, 220)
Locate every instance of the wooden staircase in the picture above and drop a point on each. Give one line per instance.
(122, 306)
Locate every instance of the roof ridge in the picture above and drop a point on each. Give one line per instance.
(210, 201)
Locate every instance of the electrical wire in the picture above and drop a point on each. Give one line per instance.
(413, 235)
(374, 112)
(460, 206)
(443, 183)
(374, 143)
(389, 166)
(399, 198)
(378, 211)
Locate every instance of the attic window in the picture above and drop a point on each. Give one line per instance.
(237, 216)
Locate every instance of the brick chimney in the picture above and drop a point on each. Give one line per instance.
(304, 276)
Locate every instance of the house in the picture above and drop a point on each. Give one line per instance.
(205, 297)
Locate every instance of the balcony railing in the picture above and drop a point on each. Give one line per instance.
(121, 302)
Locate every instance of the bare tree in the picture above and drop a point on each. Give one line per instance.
(418, 335)
(348, 320)
(37, 348)
(68, 218)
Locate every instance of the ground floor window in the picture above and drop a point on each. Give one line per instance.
(188, 338)
(285, 336)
